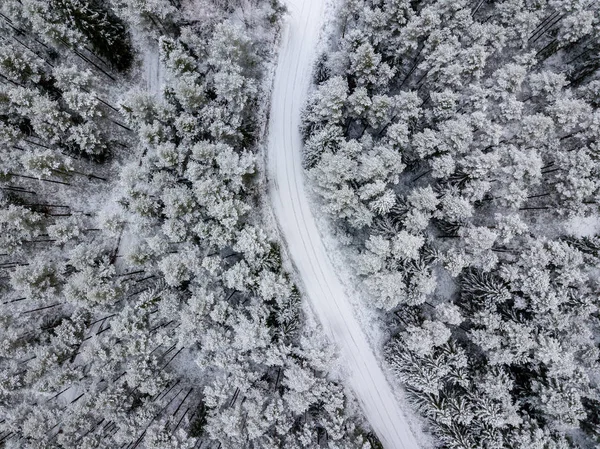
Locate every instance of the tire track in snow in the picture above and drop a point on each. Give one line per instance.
(321, 285)
(153, 71)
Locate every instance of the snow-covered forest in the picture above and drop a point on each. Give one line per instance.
(455, 145)
(144, 302)
(147, 299)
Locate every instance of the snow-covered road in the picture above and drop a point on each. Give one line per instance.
(325, 292)
(153, 71)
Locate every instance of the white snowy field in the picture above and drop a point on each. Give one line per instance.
(327, 296)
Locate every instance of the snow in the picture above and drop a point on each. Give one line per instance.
(322, 286)
(583, 226)
(153, 77)
(153, 71)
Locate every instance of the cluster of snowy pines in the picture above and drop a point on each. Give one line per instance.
(452, 140)
(142, 304)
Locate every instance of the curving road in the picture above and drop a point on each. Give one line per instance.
(321, 284)
(153, 71)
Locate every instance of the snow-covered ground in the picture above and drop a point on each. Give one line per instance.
(327, 296)
(153, 78)
(153, 71)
